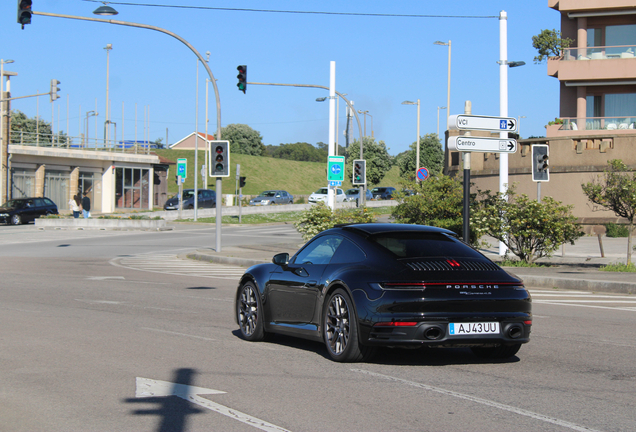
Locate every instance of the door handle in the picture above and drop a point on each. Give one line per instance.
(312, 283)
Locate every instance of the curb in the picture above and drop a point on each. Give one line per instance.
(579, 284)
(243, 262)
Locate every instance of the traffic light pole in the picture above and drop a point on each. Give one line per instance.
(207, 68)
(362, 196)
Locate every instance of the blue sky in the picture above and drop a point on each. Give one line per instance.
(380, 62)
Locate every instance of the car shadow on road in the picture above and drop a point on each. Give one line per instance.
(393, 356)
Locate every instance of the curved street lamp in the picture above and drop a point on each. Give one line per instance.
(417, 141)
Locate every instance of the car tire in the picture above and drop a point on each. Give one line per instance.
(190, 207)
(340, 329)
(496, 352)
(16, 219)
(249, 313)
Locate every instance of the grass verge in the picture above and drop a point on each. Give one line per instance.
(631, 268)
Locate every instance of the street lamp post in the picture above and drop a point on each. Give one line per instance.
(449, 79)
(3, 151)
(366, 113)
(89, 114)
(322, 99)
(107, 121)
(438, 108)
(503, 105)
(519, 125)
(417, 141)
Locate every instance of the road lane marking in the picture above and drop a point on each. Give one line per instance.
(178, 334)
(482, 401)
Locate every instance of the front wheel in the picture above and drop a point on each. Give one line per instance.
(249, 313)
(496, 352)
(16, 219)
(340, 329)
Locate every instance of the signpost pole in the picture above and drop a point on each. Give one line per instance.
(180, 181)
(466, 203)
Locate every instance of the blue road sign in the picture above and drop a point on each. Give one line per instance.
(422, 173)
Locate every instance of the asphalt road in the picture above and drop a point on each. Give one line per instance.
(93, 322)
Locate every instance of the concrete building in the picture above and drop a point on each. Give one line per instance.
(597, 123)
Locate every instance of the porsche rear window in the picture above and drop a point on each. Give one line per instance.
(420, 244)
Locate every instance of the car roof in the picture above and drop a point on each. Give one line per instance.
(378, 228)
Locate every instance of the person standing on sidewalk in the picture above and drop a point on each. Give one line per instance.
(74, 204)
(86, 206)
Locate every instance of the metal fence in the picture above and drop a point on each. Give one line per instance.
(79, 143)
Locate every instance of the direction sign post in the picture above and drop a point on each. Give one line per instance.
(481, 144)
(484, 123)
(335, 168)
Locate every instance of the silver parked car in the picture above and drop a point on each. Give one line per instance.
(271, 197)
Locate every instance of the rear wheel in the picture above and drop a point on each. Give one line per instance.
(249, 313)
(340, 329)
(496, 352)
(16, 219)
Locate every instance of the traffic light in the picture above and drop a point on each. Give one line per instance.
(242, 181)
(359, 172)
(54, 89)
(242, 78)
(219, 159)
(540, 167)
(24, 12)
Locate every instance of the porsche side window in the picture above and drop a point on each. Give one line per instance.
(319, 251)
(348, 253)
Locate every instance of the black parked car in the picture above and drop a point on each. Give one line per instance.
(23, 210)
(383, 193)
(206, 199)
(358, 287)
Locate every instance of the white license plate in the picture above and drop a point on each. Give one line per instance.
(464, 329)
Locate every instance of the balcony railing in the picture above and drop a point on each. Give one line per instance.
(600, 52)
(599, 123)
(33, 139)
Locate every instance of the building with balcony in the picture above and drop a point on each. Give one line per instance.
(597, 113)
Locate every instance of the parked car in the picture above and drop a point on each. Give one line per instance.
(206, 199)
(354, 194)
(24, 210)
(321, 195)
(271, 197)
(383, 193)
(361, 286)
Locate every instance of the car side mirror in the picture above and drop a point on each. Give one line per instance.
(281, 259)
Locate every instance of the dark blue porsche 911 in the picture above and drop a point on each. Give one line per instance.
(358, 287)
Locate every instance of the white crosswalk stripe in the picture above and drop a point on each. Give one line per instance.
(172, 264)
(584, 299)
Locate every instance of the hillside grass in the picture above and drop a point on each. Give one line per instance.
(263, 173)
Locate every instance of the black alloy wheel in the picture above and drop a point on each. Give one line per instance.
(496, 352)
(341, 330)
(249, 313)
(16, 219)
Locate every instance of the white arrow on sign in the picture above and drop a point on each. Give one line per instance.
(472, 122)
(152, 388)
(481, 144)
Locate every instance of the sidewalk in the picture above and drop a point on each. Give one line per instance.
(574, 267)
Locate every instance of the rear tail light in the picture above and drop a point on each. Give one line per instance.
(396, 324)
(404, 285)
(528, 322)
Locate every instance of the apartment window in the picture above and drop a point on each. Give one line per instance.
(620, 105)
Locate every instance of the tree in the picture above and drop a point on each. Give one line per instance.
(549, 43)
(616, 191)
(376, 155)
(529, 229)
(438, 202)
(243, 139)
(319, 217)
(300, 151)
(26, 129)
(431, 157)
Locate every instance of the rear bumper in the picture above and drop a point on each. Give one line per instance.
(435, 333)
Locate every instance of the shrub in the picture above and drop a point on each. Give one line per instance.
(616, 230)
(320, 218)
(530, 229)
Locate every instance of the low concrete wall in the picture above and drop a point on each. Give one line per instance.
(102, 224)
